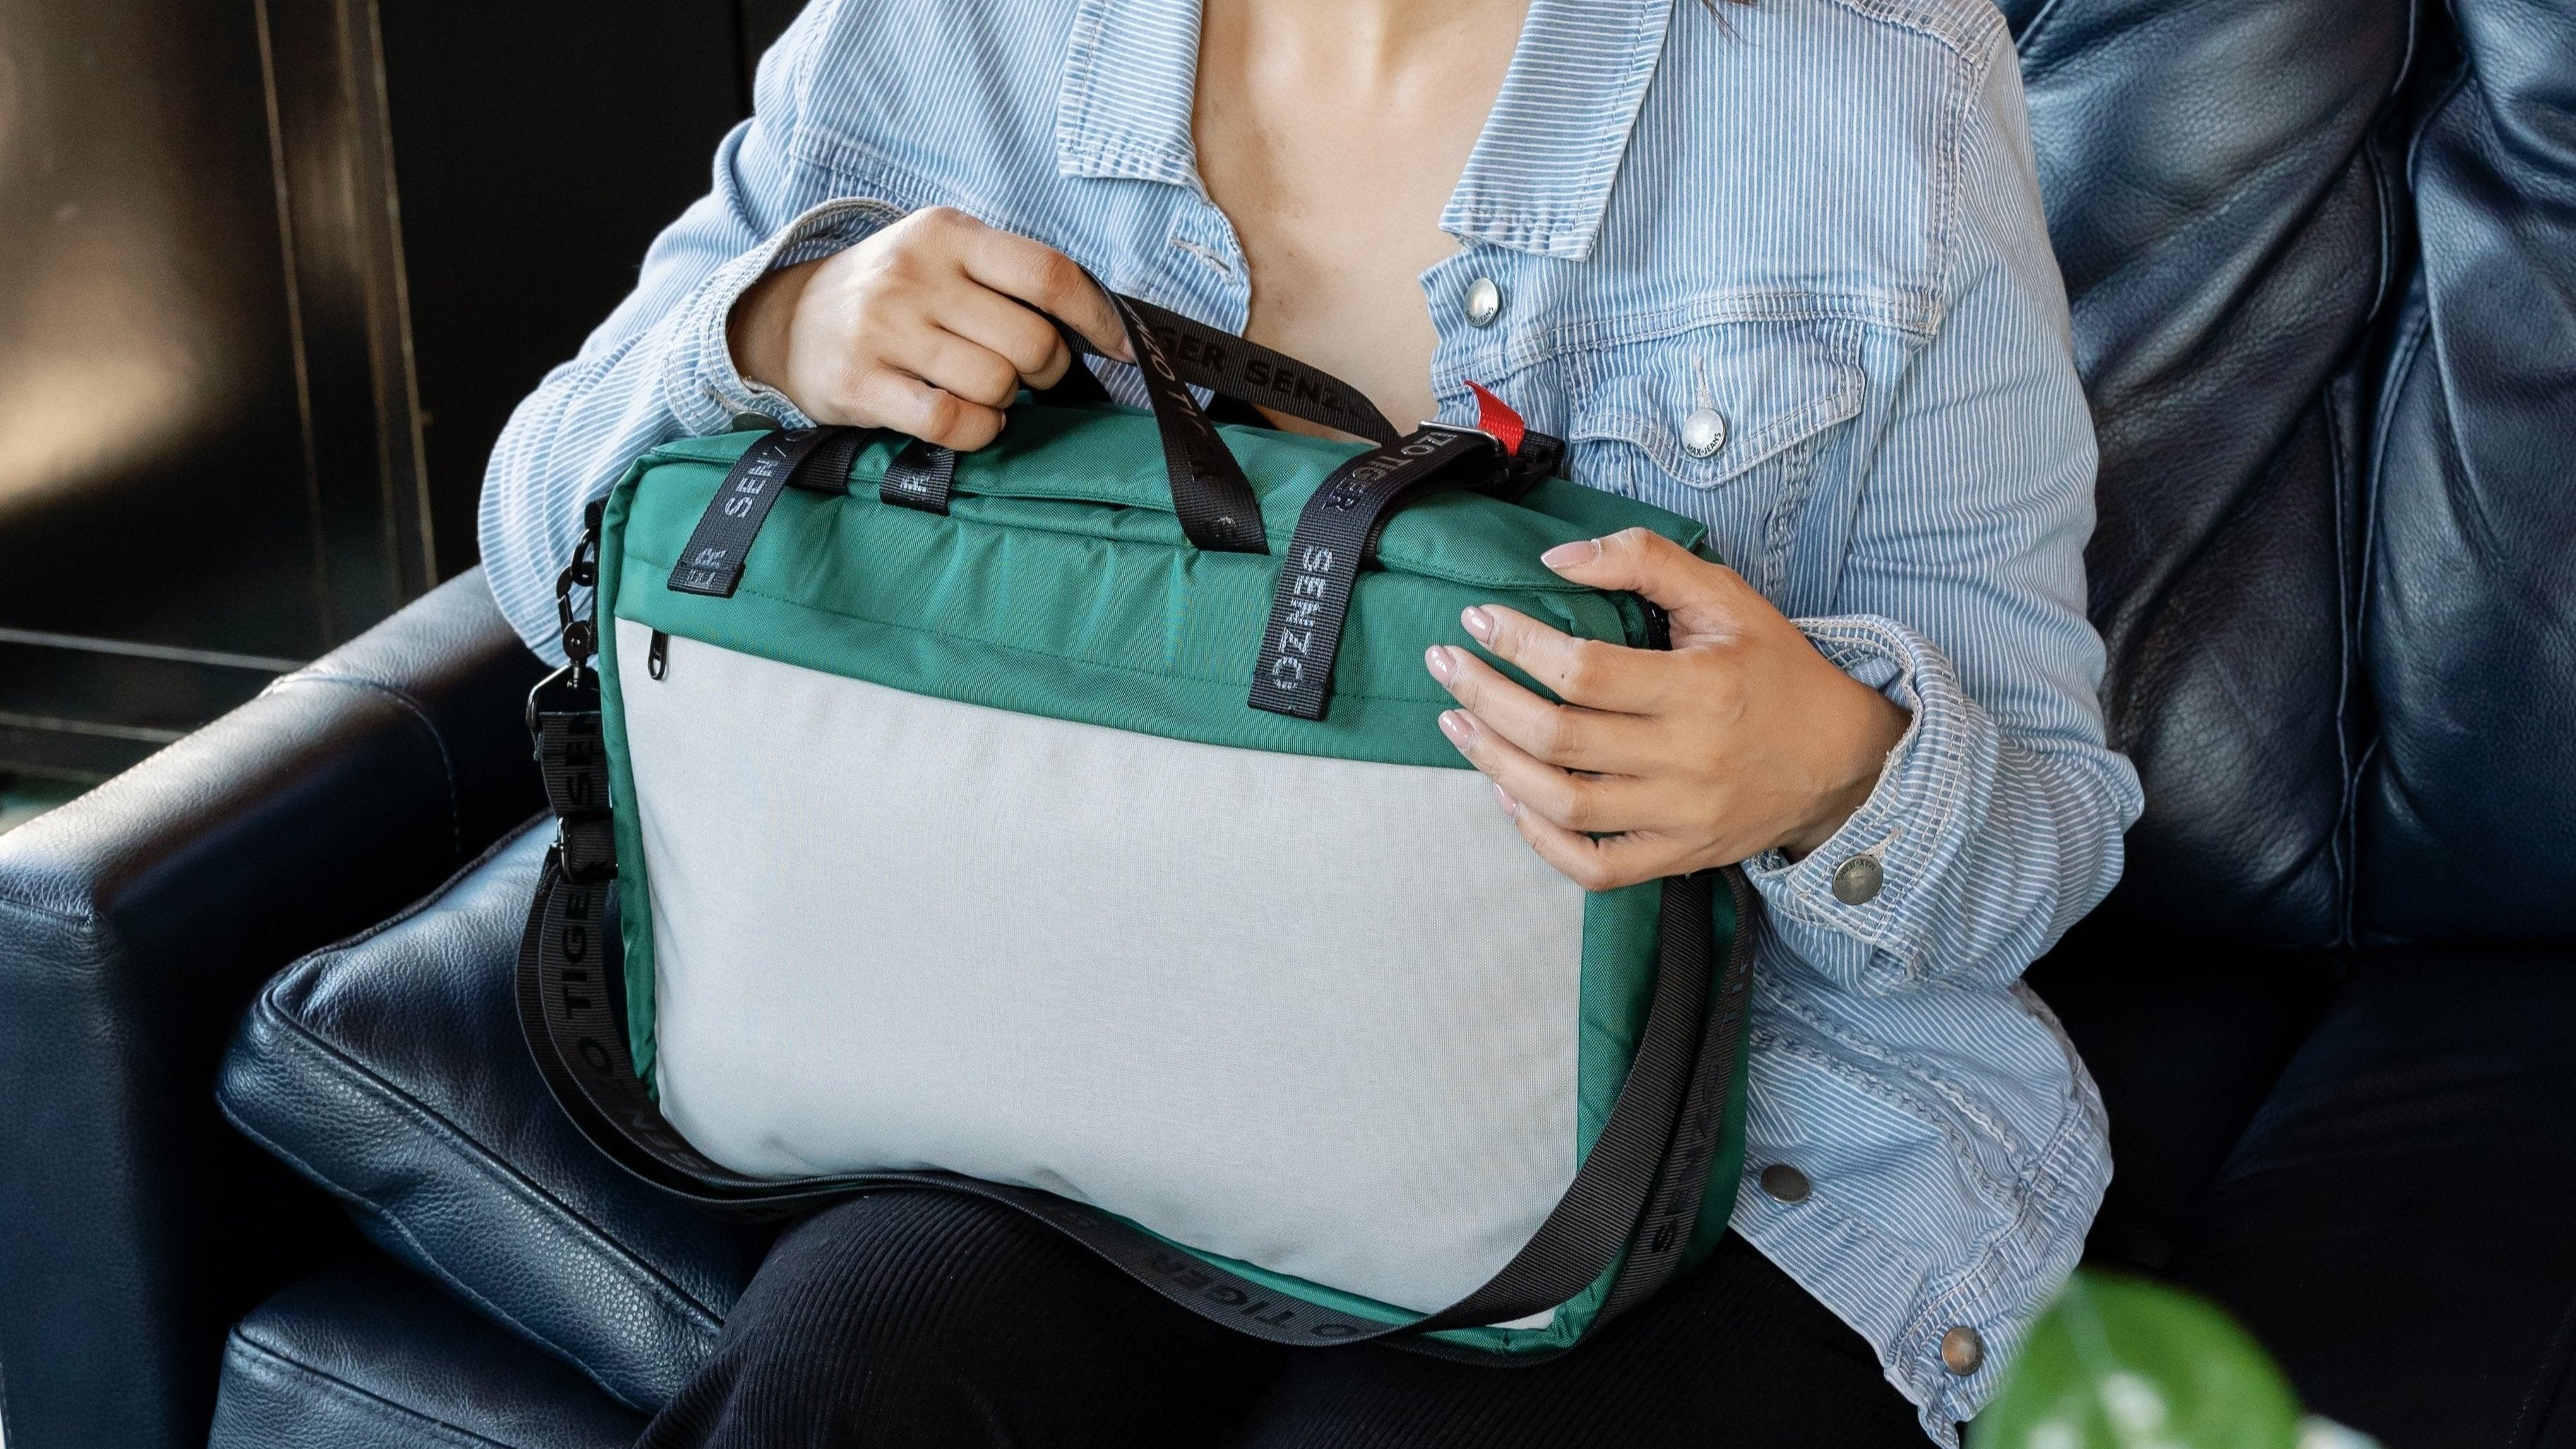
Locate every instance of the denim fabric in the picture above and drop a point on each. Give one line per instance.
(1817, 219)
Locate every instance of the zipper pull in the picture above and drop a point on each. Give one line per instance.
(657, 660)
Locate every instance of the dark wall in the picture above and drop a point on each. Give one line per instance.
(539, 149)
(272, 275)
(197, 483)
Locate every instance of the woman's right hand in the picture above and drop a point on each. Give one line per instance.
(926, 327)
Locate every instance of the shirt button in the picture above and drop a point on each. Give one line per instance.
(1963, 1350)
(1786, 1183)
(1857, 880)
(1484, 301)
(1703, 432)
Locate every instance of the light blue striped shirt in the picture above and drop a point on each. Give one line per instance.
(1816, 221)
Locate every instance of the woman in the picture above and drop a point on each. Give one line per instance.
(1777, 265)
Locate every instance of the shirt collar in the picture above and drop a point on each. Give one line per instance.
(1538, 180)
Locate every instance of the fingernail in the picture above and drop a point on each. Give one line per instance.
(1440, 664)
(1455, 724)
(1572, 555)
(1479, 623)
(1511, 807)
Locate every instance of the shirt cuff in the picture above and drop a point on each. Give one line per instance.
(1861, 906)
(700, 384)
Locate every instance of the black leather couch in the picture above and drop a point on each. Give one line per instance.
(2323, 262)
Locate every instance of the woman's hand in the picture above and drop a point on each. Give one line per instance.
(925, 327)
(1741, 739)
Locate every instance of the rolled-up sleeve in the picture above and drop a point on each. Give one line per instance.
(1996, 822)
(660, 367)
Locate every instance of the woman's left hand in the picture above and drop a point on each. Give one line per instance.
(1740, 739)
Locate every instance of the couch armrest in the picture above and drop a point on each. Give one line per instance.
(135, 924)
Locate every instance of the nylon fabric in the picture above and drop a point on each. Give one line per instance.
(1104, 454)
(1041, 602)
(711, 561)
(1073, 1032)
(1336, 531)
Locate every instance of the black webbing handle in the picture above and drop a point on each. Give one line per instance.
(817, 458)
(1214, 502)
(1245, 371)
(1336, 535)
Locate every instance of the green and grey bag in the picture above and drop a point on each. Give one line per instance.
(1068, 823)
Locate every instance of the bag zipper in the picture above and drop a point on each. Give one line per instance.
(657, 660)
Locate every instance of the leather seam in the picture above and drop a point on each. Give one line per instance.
(85, 920)
(419, 712)
(364, 1397)
(2541, 1398)
(436, 1270)
(436, 894)
(482, 1159)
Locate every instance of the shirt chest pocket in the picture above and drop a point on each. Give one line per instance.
(1680, 418)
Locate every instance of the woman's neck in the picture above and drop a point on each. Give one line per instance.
(1377, 40)
(1332, 132)
(1377, 46)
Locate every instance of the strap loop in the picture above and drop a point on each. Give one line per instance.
(1336, 535)
(711, 563)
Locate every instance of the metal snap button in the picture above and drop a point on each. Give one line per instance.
(1484, 301)
(1786, 1183)
(1963, 1350)
(1856, 881)
(1703, 432)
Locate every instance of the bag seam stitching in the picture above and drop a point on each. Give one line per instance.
(351, 1391)
(435, 1269)
(474, 1154)
(649, 564)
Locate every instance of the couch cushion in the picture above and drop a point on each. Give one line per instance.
(2394, 1224)
(134, 923)
(2468, 805)
(2218, 212)
(390, 1070)
(2128, 998)
(373, 1358)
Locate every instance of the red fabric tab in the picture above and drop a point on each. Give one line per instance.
(1496, 417)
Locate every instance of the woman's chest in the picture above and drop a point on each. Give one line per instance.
(1332, 153)
(1714, 334)
(1751, 424)
(1706, 264)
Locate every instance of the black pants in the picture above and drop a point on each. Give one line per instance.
(933, 1320)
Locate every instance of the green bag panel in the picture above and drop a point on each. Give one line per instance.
(1096, 609)
(1109, 455)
